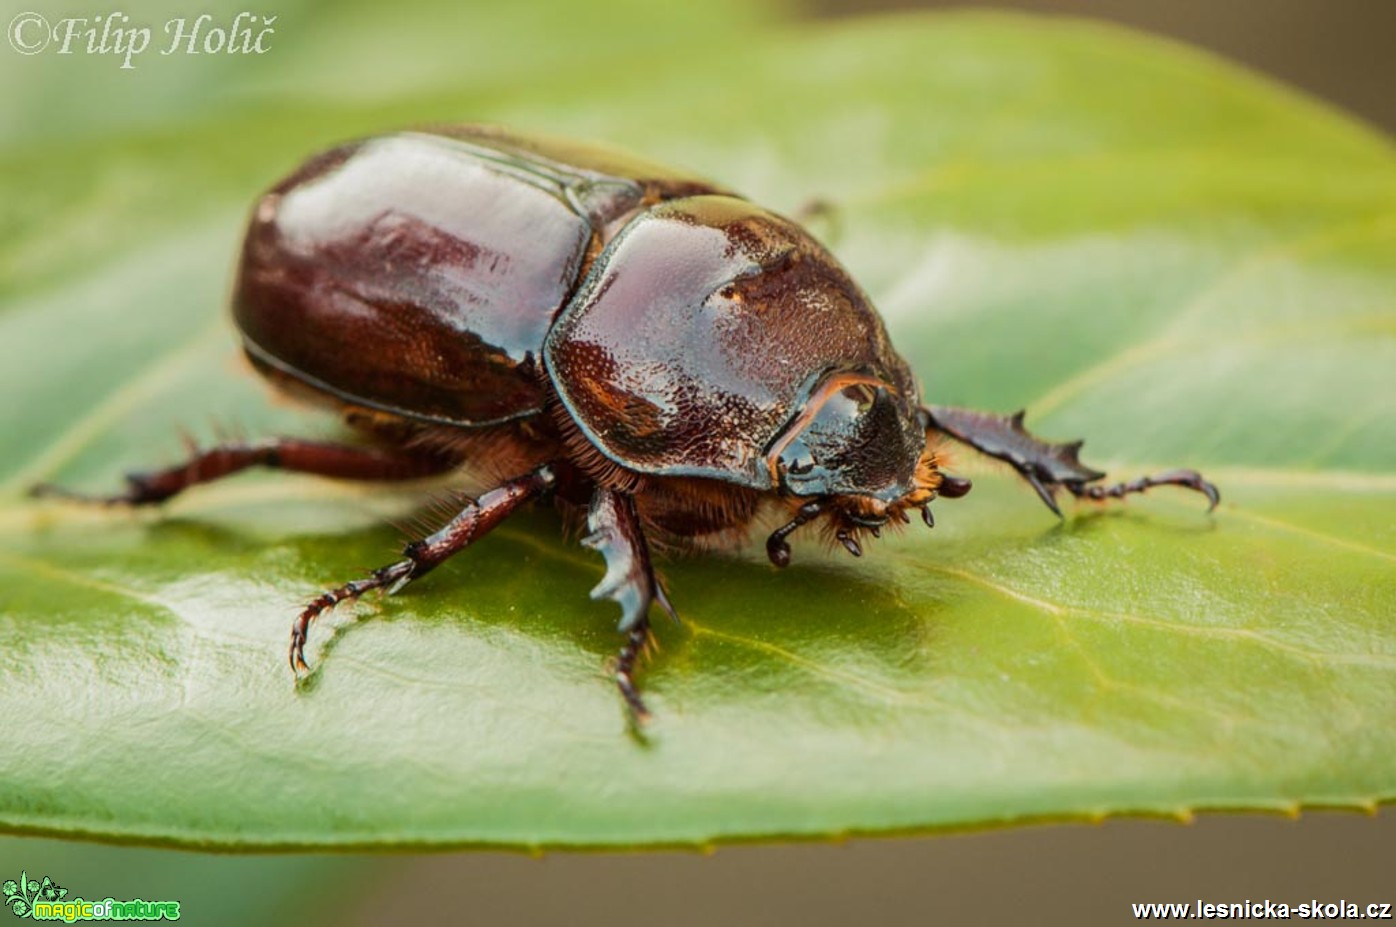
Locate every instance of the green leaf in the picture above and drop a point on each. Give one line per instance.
(1183, 264)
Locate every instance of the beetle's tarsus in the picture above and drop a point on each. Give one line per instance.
(1049, 467)
(298, 664)
(138, 492)
(342, 461)
(927, 517)
(392, 576)
(636, 642)
(1188, 479)
(474, 521)
(52, 491)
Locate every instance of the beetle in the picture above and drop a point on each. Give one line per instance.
(637, 343)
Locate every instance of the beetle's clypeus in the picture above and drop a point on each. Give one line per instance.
(631, 341)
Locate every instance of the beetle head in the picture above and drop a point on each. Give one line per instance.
(857, 454)
(851, 438)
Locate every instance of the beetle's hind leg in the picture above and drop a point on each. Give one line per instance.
(1049, 467)
(322, 458)
(476, 520)
(629, 581)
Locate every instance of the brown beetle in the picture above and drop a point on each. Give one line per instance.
(611, 333)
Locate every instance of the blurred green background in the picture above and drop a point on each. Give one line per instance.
(1065, 874)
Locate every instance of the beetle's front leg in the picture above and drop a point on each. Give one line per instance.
(420, 557)
(1047, 467)
(630, 581)
(322, 458)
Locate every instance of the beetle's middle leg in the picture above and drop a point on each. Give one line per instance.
(420, 557)
(630, 581)
(1048, 467)
(322, 458)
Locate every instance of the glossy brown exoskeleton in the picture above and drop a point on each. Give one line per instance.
(619, 336)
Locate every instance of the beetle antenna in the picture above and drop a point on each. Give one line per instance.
(776, 547)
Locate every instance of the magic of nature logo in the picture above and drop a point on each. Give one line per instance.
(46, 901)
